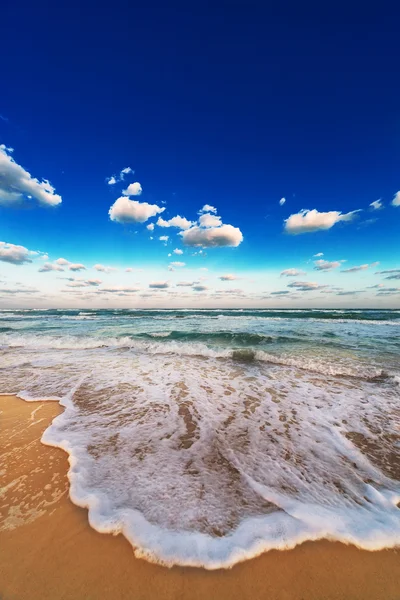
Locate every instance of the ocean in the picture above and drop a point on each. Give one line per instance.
(210, 436)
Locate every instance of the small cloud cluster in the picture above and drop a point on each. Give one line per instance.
(104, 269)
(59, 264)
(376, 205)
(282, 201)
(117, 178)
(16, 183)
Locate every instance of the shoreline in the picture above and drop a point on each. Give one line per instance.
(48, 549)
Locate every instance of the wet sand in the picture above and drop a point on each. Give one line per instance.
(49, 552)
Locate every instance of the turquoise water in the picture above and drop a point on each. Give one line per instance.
(209, 436)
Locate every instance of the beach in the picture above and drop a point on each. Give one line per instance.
(48, 550)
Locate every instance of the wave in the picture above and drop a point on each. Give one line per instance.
(370, 315)
(198, 349)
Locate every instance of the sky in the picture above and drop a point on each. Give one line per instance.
(186, 154)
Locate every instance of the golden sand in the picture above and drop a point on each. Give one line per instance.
(49, 552)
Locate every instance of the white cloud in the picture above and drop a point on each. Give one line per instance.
(325, 265)
(207, 209)
(178, 221)
(50, 267)
(76, 267)
(396, 199)
(16, 255)
(150, 226)
(308, 221)
(159, 285)
(185, 283)
(177, 264)
(133, 189)
(377, 204)
(228, 277)
(164, 238)
(16, 183)
(178, 251)
(62, 261)
(104, 269)
(208, 220)
(282, 201)
(319, 254)
(226, 235)
(306, 286)
(131, 211)
(292, 273)
(117, 178)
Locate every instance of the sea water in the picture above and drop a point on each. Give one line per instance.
(209, 436)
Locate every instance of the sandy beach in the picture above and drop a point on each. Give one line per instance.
(49, 551)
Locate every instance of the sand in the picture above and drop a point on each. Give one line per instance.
(49, 552)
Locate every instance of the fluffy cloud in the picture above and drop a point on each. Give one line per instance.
(319, 254)
(16, 183)
(292, 273)
(150, 226)
(212, 237)
(76, 267)
(164, 238)
(103, 268)
(306, 286)
(376, 205)
(308, 221)
(178, 221)
(116, 178)
(16, 255)
(228, 277)
(208, 220)
(199, 288)
(207, 209)
(159, 285)
(178, 251)
(133, 189)
(50, 267)
(396, 199)
(282, 201)
(325, 265)
(131, 211)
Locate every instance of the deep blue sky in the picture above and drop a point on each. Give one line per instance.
(230, 104)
